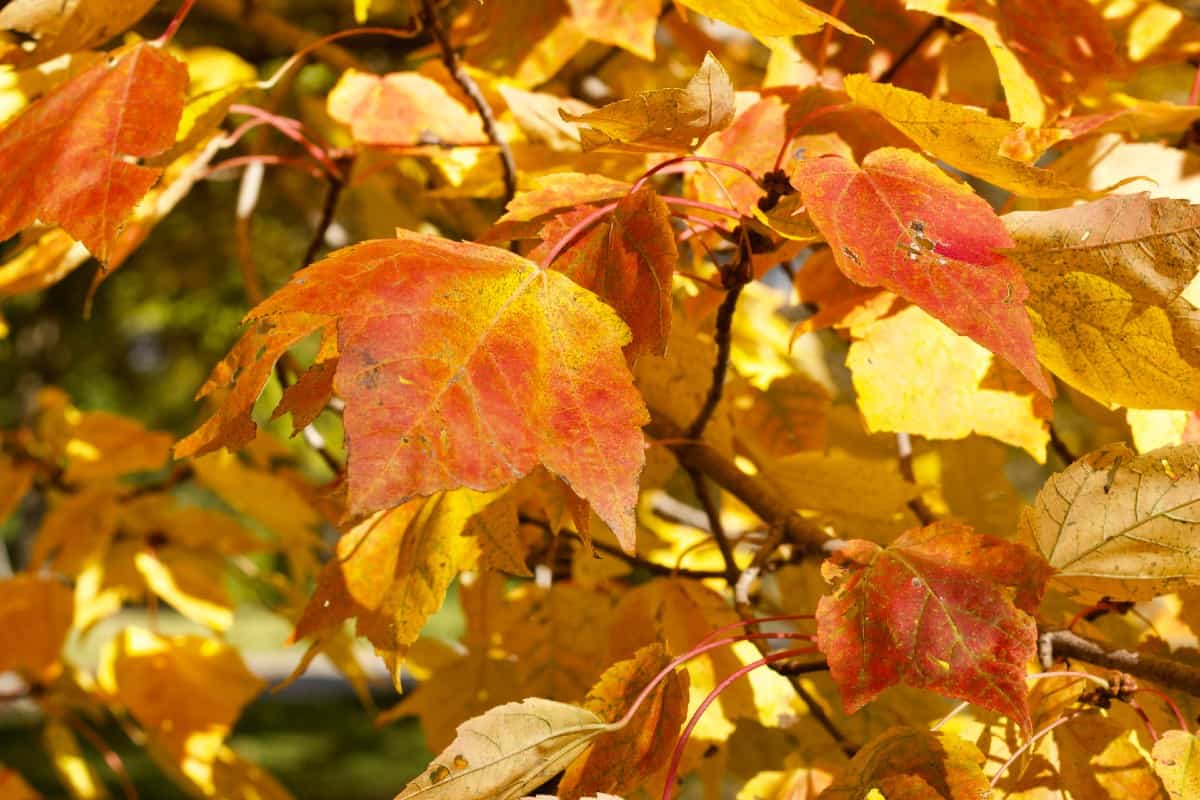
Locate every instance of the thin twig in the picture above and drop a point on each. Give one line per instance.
(276, 30)
(429, 19)
(732, 573)
(332, 193)
(904, 455)
(1061, 644)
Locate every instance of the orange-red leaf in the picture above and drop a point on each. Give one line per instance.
(402, 109)
(628, 259)
(941, 608)
(620, 761)
(901, 223)
(463, 365)
(70, 158)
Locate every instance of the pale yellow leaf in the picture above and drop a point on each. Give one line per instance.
(1177, 762)
(510, 749)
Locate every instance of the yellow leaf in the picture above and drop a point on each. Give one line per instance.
(962, 137)
(1177, 762)
(857, 497)
(913, 374)
(506, 751)
(1095, 523)
(392, 571)
(769, 21)
(192, 584)
(900, 755)
(1106, 297)
(362, 9)
(1155, 428)
(185, 691)
(35, 615)
(663, 119)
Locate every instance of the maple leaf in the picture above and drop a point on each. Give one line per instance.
(1118, 524)
(627, 259)
(913, 763)
(963, 137)
(402, 109)
(941, 608)
(901, 223)
(67, 158)
(913, 374)
(1045, 55)
(1107, 297)
(663, 119)
(510, 749)
(463, 365)
(245, 371)
(392, 571)
(621, 760)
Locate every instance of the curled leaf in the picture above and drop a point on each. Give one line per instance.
(507, 751)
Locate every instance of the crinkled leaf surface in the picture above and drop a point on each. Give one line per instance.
(402, 109)
(463, 365)
(902, 223)
(507, 751)
(913, 374)
(621, 760)
(962, 137)
(70, 158)
(1106, 295)
(941, 608)
(1177, 762)
(663, 119)
(627, 259)
(1119, 524)
(900, 760)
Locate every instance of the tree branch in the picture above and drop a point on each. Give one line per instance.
(758, 497)
(1053, 645)
(429, 19)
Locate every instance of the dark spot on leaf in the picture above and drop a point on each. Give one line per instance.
(850, 254)
(438, 774)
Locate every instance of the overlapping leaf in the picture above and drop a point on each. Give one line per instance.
(962, 137)
(507, 751)
(629, 25)
(1119, 524)
(941, 608)
(1177, 762)
(901, 223)
(465, 366)
(620, 761)
(66, 26)
(1046, 54)
(70, 158)
(663, 119)
(913, 374)
(402, 109)
(913, 763)
(628, 259)
(1107, 300)
(768, 21)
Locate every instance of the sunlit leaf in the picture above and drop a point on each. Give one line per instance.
(465, 366)
(901, 223)
(1177, 762)
(132, 107)
(1106, 283)
(664, 119)
(913, 374)
(402, 109)
(620, 761)
(941, 608)
(768, 21)
(1119, 524)
(508, 750)
(962, 137)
